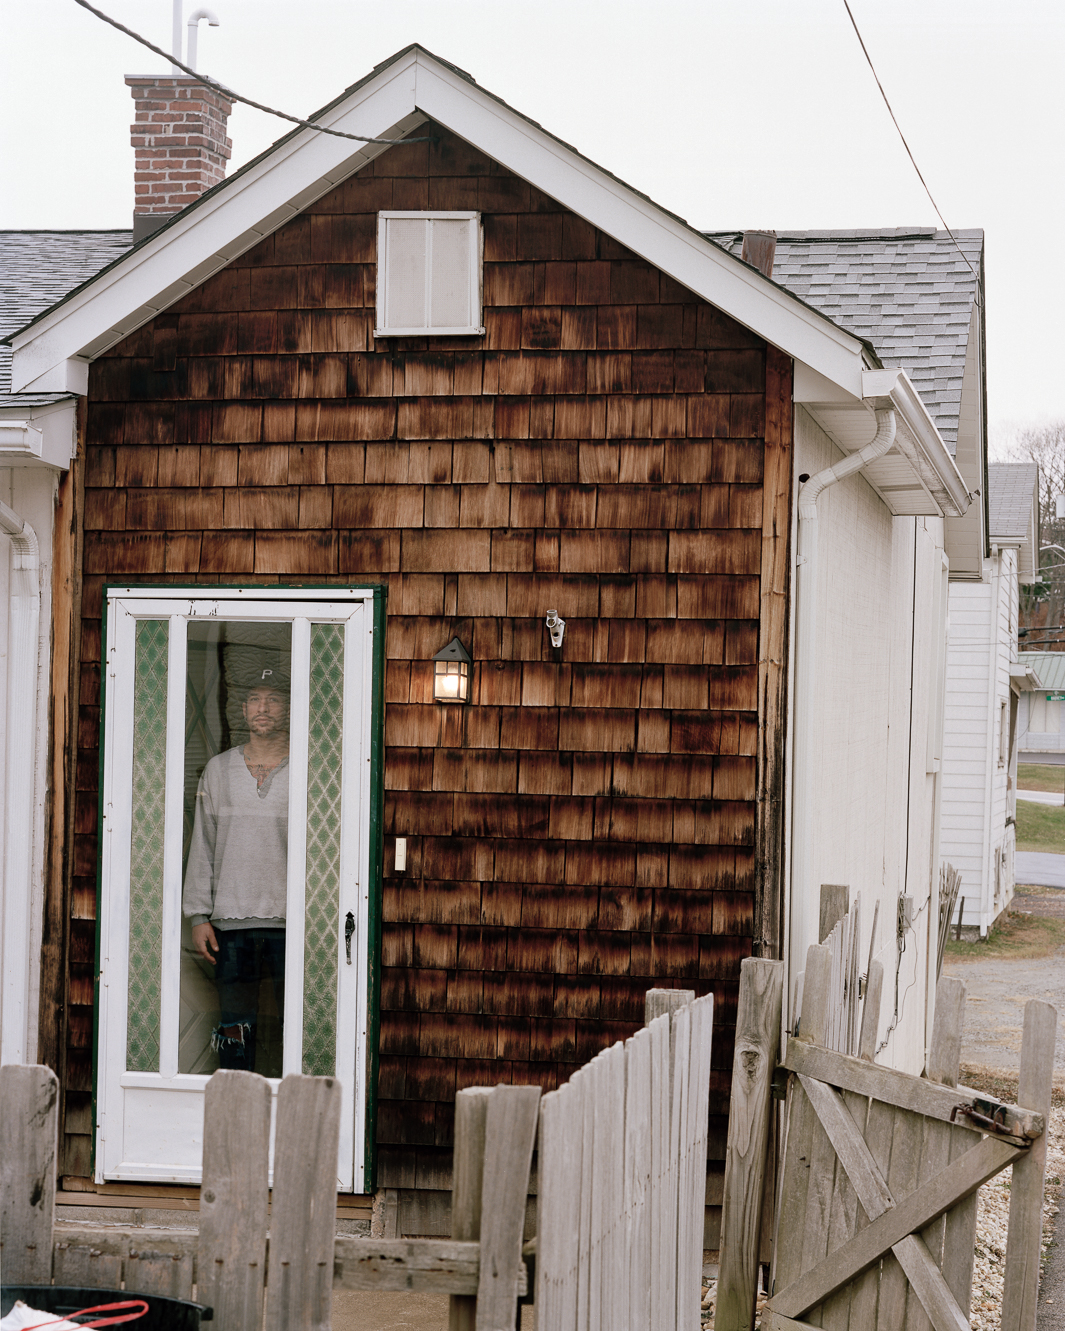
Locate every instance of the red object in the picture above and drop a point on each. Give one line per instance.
(104, 1308)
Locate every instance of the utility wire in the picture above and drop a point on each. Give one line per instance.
(232, 96)
(902, 136)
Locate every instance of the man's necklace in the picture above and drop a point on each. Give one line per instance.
(260, 771)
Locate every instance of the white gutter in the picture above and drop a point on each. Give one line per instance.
(803, 905)
(21, 757)
(920, 442)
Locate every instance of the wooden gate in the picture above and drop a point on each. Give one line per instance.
(877, 1214)
(622, 1181)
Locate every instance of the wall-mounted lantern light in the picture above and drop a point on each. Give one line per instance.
(451, 673)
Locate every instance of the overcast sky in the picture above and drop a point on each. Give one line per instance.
(757, 114)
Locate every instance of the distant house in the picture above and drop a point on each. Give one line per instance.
(358, 401)
(985, 717)
(1041, 715)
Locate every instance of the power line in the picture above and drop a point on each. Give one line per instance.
(232, 96)
(902, 136)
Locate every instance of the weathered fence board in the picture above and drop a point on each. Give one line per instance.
(303, 1223)
(28, 1128)
(231, 1266)
(901, 1090)
(663, 1195)
(471, 1115)
(510, 1133)
(89, 1268)
(1021, 1283)
(637, 1157)
(622, 1179)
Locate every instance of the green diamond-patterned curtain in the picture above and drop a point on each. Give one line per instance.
(325, 742)
(146, 846)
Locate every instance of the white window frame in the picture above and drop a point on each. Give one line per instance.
(476, 237)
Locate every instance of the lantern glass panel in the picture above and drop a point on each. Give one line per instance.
(451, 681)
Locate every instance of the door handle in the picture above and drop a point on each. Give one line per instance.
(349, 929)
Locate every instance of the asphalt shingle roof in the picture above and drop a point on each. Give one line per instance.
(37, 268)
(905, 290)
(1011, 487)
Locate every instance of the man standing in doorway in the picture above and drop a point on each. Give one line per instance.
(237, 876)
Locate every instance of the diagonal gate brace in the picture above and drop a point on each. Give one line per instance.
(891, 1226)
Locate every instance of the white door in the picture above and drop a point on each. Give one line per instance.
(178, 669)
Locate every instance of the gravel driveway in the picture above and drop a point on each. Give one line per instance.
(997, 990)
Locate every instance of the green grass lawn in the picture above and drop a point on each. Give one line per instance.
(1040, 776)
(1040, 827)
(1015, 937)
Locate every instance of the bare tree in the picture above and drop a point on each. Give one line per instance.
(1043, 605)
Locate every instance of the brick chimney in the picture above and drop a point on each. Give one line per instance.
(179, 137)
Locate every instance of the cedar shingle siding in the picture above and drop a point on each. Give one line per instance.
(587, 827)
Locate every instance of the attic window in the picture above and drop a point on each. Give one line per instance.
(428, 274)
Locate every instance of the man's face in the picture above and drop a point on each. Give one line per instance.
(266, 712)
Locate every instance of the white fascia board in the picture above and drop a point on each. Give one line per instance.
(198, 243)
(662, 240)
(921, 443)
(1023, 676)
(44, 436)
(297, 172)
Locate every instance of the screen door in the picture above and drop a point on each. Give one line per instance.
(238, 789)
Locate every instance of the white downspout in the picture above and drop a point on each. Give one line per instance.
(803, 904)
(21, 757)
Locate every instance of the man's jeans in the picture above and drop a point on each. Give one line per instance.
(245, 958)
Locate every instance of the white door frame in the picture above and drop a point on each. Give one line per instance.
(149, 1124)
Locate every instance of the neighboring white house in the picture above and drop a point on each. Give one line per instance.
(1039, 719)
(38, 438)
(985, 680)
(869, 790)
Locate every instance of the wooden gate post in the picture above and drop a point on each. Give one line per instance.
(29, 1120)
(757, 1046)
(1020, 1292)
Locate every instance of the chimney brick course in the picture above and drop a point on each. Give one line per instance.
(180, 145)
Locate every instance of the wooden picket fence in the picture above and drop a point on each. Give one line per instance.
(622, 1180)
(233, 1261)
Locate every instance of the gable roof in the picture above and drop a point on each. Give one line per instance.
(400, 95)
(908, 291)
(52, 354)
(39, 268)
(1012, 498)
(1013, 503)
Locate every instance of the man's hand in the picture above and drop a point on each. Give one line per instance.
(205, 942)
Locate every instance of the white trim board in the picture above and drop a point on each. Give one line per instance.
(53, 353)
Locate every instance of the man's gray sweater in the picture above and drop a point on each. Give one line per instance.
(238, 861)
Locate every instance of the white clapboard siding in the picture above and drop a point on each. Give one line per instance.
(622, 1178)
(975, 795)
